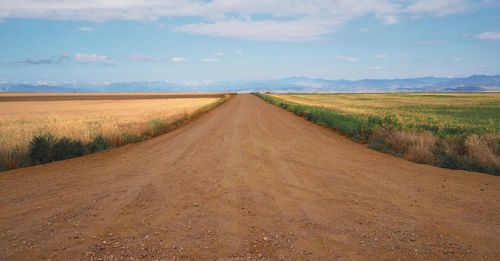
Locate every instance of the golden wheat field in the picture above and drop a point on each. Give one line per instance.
(114, 117)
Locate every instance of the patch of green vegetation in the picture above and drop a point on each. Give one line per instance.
(456, 120)
(159, 126)
(452, 161)
(98, 144)
(383, 146)
(131, 138)
(439, 96)
(442, 114)
(46, 148)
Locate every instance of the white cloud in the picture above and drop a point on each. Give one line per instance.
(288, 31)
(92, 58)
(209, 60)
(381, 56)
(488, 36)
(293, 20)
(150, 10)
(220, 54)
(376, 68)
(346, 58)
(441, 7)
(429, 42)
(86, 29)
(178, 59)
(239, 51)
(36, 61)
(388, 19)
(140, 58)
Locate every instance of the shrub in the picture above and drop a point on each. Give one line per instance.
(451, 161)
(41, 149)
(97, 145)
(46, 148)
(67, 149)
(375, 121)
(159, 126)
(130, 138)
(380, 145)
(391, 121)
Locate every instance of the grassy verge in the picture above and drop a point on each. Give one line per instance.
(460, 150)
(47, 148)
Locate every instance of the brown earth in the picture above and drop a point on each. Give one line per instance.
(247, 180)
(29, 97)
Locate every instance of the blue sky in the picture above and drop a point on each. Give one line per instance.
(50, 41)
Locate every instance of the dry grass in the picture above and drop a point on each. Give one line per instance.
(483, 149)
(415, 146)
(85, 120)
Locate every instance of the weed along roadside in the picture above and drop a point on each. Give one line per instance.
(463, 151)
(46, 148)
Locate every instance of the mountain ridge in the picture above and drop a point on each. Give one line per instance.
(474, 83)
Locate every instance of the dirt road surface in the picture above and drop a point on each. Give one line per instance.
(247, 180)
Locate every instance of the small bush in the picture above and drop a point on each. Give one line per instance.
(46, 148)
(380, 145)
(451, 161)
(390, 121)
(375, 121)
(130, 138)
(67, 149)
(97, 145)
(159, 126)
(41, 149)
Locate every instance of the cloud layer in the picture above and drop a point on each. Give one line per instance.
(92, 58)
(209, 60)
(488, 36)
(347, 59)
(293, 20)
(79, 57)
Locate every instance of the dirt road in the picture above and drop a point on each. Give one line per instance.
(248, 180)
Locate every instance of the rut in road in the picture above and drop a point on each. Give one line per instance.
(247, 180)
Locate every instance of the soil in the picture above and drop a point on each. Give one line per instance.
(85, 97)
(247, 181)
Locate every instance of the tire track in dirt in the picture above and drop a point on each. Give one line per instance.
(247, 180)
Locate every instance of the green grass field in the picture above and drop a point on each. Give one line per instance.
(442, 114)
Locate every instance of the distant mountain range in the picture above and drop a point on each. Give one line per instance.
(475, 83)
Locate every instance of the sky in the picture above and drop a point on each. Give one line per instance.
(93, 41)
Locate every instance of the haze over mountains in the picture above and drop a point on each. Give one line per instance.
(475, 83)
